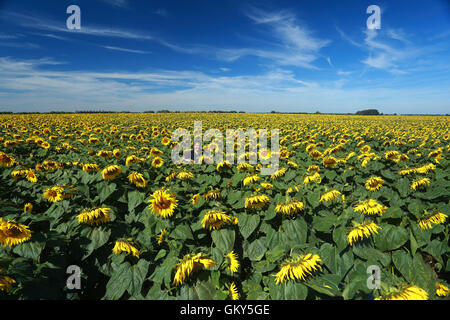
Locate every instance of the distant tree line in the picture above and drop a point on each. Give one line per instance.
(368, 112)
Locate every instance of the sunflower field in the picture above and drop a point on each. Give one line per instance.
(352, 194)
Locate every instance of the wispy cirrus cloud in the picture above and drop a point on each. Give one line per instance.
(292, 43)
(388, 49)
(117, 3)
(125, 49)
(42, 23)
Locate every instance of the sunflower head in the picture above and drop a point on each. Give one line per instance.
(256, 201)
(110, 172)
(233, 292)
(215, 220)
(361, 231)
(12, 233)
(427, 223)
(125, 246)
(420, 183)
(374, 183)
(405, 292)
(95, 217)
(138, 179)
(157, 162)
(233, 262)
(163, 203)
(28, 207)
(191, 263)
(330, 196)
(289, 207)
(6, 283)
(298, 267)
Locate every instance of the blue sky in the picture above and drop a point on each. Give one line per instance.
(255, 56)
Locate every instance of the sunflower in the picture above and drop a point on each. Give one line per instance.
(298, 267)
(163, 203)
(266, 185)
(349, 156)
(313, 168)
(31, 176)
(293, 164)
(420, 183)
(314, 177)
(190, 264)
(185, 175)
(361, 231)
(95, 216)
(104, 154)
(130, 160)
(391, 155)
(316, 154)
(125, 246)
(408, 293)
(54, 194)
(110, 172)
(161, 236)
(90, 167)
(233, 263)
(289, 207)
(157, 162)
(370, 207)
(117, 153)
(329, 161)
(407, 171)
(424, 169)
(12, 233)
(165, 141)
(6, 283)
(374, 183)
(45, 145)
(155, 152)
(28, 207)
(437, 218)
(442, 290)
(256, 201)
(222, 165)
(291, 189)
(280, 172)
(195, 199)
(330, 196)
(6, 160)
(233, 292)
(212, 194)
(215, 220)
(250, 179)
(171, 176)
(17, 174)
(138, 179)
(244, 166)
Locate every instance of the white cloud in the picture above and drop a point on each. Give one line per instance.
(32, 85)
(344, 73)
(125, 49)
(117, 3)
(299, 47)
